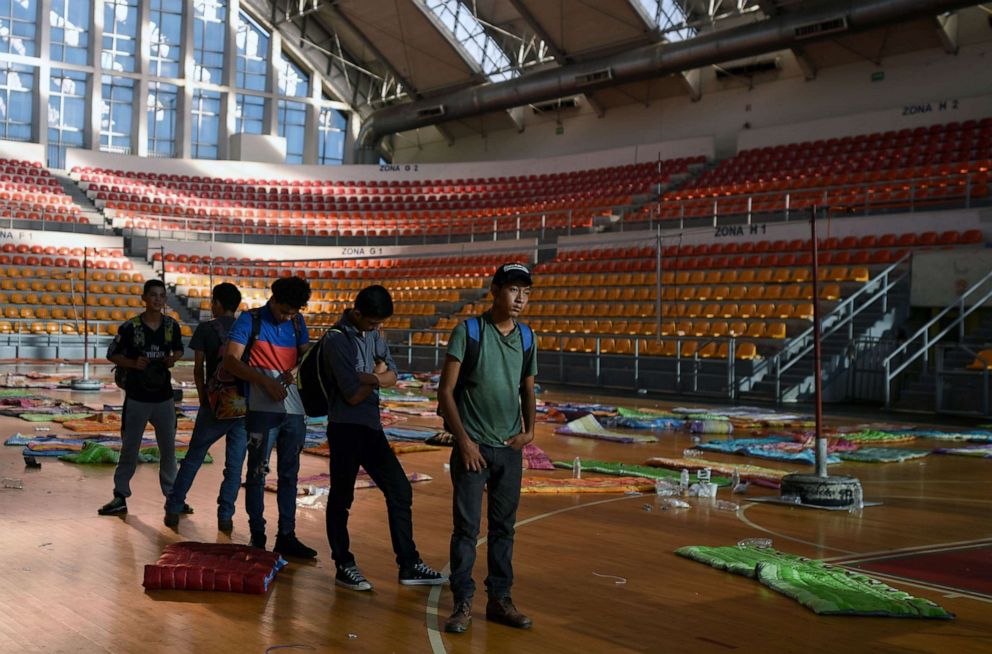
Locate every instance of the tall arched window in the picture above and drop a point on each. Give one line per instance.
(209, 37)
(253, 53)
(120, 35)
(70, 25)
(162, 99)
(166, 37)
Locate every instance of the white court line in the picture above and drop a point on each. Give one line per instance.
(433, 633)
(917, 549)
(743, 518)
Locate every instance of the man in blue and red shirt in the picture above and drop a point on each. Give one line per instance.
(276, 338)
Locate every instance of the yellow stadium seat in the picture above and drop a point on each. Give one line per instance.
(765, 310)
(755, 292)
(756, 329)
(746, 351)
(830, 292)
(859, 274)
(688, 349)
(708, 351)
(763, 275)
(772, 292)
(803, 311)
(720, 293)
(747, 310)
(775, 330)
(983, 361)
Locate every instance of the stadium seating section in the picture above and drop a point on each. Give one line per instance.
(29, 192)
(893, 170)
(373, 208)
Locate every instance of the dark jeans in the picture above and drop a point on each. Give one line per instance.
(502, 474)
(206, 432)
(286, 432)
(352, 446)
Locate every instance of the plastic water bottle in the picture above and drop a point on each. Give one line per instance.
(684, 480)
(577, 468)
(760, 543)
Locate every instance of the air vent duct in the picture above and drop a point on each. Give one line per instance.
(561, 104)
(594, 77)
(431, 112)
(820, 28)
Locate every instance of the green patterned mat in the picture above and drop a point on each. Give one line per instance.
(54, 417)
(634, 470)
(820, 587)
(881, 455)
(95, 453)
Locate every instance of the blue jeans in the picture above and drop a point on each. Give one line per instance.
(501, 477)
(206, 432)
(286, 432)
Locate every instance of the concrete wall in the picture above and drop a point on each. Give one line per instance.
(258, 147)
(940, 277)
(612, 156)
(525, 247)
(58, 239)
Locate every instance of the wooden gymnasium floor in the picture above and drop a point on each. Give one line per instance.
(70, 580)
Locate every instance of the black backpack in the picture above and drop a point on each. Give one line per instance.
(473, 350)
(314, 382)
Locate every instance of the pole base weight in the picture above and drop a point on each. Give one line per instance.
(89, 385)
(814, 490)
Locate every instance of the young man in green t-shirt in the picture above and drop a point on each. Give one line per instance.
(492, 418)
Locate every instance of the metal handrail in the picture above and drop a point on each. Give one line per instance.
(802, 345)
(923, 334)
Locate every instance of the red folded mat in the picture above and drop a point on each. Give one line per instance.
(213, 566)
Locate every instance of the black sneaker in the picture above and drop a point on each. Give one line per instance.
(350, 577)
(225, 525)
(421, 574)
(257, 540)
(171, 520)
(290, 545)
(187, 509)
(116, 506)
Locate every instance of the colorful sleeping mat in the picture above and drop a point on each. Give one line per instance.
(567, 485)
(214, 567)
(820, 587)
(398, 447)
(588, 427)
(770, 477)
(978, 451)
(322, 481)
(632, 470)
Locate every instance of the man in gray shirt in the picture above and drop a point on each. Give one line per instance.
(360, 364)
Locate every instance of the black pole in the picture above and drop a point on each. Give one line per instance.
(821, 442)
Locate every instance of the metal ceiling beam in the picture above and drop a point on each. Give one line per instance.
(337, 14)
(561, 57)
(823, 21)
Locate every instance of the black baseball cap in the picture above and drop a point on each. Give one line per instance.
(512, 272)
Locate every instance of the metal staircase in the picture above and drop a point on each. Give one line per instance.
(872, 310)
(913, 356)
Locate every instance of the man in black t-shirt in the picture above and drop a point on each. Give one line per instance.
(207, 341)
(146, 346)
